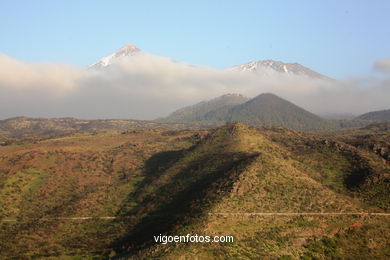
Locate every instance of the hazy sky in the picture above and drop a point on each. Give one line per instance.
(337, 38)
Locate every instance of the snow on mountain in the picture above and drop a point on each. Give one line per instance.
(261, 67)
(128, 50)
(266, 67)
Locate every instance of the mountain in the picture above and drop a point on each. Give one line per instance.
(269, 109)
(280, 194)
(199, 112)
(268, 67)
(128, 50)
(382, 115)
(265, 109)
(261, 67)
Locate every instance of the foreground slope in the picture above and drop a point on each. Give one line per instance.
(301, 183)
(280, 193)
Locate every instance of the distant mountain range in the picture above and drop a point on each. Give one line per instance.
(265, 109)
(382, 115)
(260, 67)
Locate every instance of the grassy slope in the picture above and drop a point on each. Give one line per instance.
(160, 183)
(76, 175)
(48, 127)
(205, 110)
(283, 179)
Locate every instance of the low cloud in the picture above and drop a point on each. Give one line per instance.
(147, 87)
(382, 65)
(54, 79)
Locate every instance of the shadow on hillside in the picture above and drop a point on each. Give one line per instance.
(358, 173)
(153, 168)
(177, 193)
(356, 178)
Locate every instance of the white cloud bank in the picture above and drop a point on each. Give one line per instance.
(147, 87)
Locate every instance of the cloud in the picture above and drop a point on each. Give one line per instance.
(147, 87)
(55, 79)
(382, 65)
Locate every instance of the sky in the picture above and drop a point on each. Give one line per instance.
(45, 47)
(340, 39)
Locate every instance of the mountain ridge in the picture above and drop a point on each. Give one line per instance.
(265, 67)
(264, 109)
(380, 115)
(200, 110)
(260, 67)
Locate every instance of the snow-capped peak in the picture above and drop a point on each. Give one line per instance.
(126, 51)
(265, 67)
(128, 48)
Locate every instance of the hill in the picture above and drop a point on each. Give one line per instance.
(280, 193)
(265, 109)
(382, 115)
(200, 112)
(269, 109)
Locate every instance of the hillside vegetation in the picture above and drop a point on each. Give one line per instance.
(206, 182)
(207, 110)
(27, 127)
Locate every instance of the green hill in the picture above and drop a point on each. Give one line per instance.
(269, 109)
(199, 112)
(265, 109)
(280, 193)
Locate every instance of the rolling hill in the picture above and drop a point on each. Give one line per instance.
(265, 109)
(201, 111)
(28, 127)
(269, 109)
(382, 115)
(281, 194)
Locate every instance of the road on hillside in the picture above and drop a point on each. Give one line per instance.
(232, 214)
